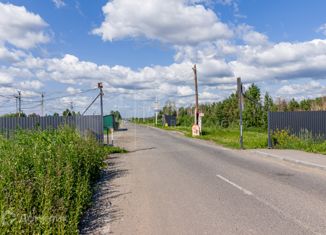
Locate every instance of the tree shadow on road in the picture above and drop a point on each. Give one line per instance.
(102, 213)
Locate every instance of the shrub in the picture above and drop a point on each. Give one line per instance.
(45, 180)
(304, 141)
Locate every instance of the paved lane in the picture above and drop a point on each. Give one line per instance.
(178, 185)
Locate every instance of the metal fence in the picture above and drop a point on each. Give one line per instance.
(298, 123)
(84, 124)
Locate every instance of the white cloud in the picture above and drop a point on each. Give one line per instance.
(5, 78)
(171, 21)
(197, 35)
(300, 89)
(72, 90)
(284, 52)
(31, 85)
(21, 28)
(59, 3)
(253, 64)
(250, 36)
(226, 87)
(185, 91)
(322, 29)
(8, 55)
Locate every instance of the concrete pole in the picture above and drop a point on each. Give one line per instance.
(100, 86)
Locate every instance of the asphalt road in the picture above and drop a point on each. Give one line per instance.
(170, 184)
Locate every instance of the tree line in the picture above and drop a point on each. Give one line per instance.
(225, 113)
(65, 113)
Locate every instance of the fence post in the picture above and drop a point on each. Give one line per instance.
(269, 130)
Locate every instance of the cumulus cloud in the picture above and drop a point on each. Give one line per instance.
(21, 28)
(311, 87)
(253, 64)
(31, 85)
(219, 58)
(171, 21)
(72, 90)
(250, 36)
(10, 55)
(282, 61)
(59, 3)
(5, 78)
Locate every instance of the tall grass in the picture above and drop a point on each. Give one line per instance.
(45, 180)
(282, 139)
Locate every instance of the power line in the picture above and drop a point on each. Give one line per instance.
(33, 107)
(78, 93)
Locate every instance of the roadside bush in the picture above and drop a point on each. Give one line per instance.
(284, 140)
(45, 180)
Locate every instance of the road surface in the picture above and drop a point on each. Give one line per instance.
(170, 184)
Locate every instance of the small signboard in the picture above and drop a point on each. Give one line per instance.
(195, 130)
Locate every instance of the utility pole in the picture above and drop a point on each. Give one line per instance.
(196, 128)
(240, 92)
(19, 103)
(16, 97)
(196, 91)
(100, 86)
(71, 106)
(42, 104)
(156, 109)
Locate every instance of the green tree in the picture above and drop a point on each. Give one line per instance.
(116, 114)
(293, 105)
(15, 115)
(33, 115)
(184, 117)
(269, 106)
(67, 113)
(305, 105)
(252, 114)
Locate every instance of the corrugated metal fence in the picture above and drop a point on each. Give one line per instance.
(84, 124)
(298, 123)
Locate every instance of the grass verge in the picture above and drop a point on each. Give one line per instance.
(253, 138)
(305, 142)
(46, 180)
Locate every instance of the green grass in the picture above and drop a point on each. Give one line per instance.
(114, 149)
(229, 137)
(305, 142)
(46, 180)
(253, 138)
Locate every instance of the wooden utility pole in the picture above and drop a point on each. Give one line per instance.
(196, 91)
(196, 129)
(239, 89)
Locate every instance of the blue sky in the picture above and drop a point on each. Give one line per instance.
(145, 49)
